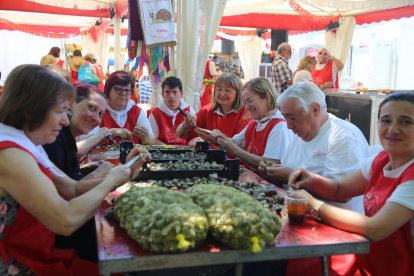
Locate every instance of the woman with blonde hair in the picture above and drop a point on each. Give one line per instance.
(266, 136)
(305, 67)
(225, 113)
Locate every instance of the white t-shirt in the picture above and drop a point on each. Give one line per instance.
(121, 117)
(403, 194)
(212, 69)
(301, 76)
(277, 142)
(164, 108)
(337, 150)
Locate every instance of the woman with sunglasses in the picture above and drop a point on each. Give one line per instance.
(123, 116)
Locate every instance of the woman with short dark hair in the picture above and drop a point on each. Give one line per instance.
(37, 199)
(123, 117)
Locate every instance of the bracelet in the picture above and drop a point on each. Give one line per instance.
(185, 129)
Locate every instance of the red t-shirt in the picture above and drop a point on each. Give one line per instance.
(229, 125)
(167, 130)
(133, 114)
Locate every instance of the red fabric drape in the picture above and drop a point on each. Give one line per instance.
(22, 28)
(29, 6)
(299, 23)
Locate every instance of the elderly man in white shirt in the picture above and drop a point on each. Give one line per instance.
(325, 144)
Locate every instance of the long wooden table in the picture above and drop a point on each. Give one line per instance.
(119, 253)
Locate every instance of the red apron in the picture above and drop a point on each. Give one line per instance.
(393, 255)
(31, 243)
(256, 141)
(132, 117)
(206, 98)
(167, 130)
(325, 75)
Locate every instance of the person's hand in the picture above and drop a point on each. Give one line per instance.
(263, 169)
(302, 178)
(215, 133)
(328, 84)
(227, 144)
(103, 134)
(189, 121)
(101, 170)
(330, 57)
(141, 132)
(311, 200)
(202, 133)
(136, 166)
(279, 173)
(119, 176)
(123, 133)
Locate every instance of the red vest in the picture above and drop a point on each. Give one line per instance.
(30, 242)
(206, 98)
(167, 130)
(322, 76)
(229, 125)
(256, 141)
(393, 255)
(132, 118)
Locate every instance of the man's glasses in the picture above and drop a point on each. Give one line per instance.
(119, 90)
(321, 53)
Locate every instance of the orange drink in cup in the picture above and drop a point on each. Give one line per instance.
(296, 207)
(113, 157)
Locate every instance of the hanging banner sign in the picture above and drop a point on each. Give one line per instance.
(157, 20)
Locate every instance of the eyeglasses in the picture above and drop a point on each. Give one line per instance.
(290, 51)
(321, 53)
(119, 90)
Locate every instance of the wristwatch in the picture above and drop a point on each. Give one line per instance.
(316, 208)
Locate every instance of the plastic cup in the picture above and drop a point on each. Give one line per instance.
(96, 156)
(296, 207)
(113, 157)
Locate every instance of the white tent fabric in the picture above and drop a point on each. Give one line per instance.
(100, 49)
(338, 44)
(196, 42)
(317, 7)
(19, 48)
(250, 56)
(249, 49)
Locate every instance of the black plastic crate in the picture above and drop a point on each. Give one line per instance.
(201, 146)
(230, 171)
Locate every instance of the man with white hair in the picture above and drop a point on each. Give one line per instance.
(281, 74)
(325, 74)
(324, 144)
